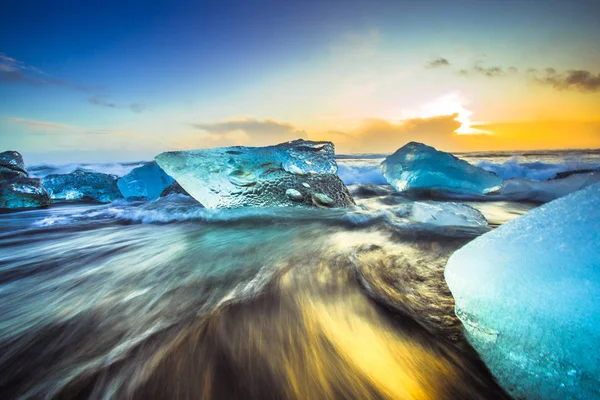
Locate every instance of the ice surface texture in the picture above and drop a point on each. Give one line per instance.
(527, 294)
(145, 182)
(418, 167)
(83, 185)
(446, 214)
(17, 190)
(240, 176)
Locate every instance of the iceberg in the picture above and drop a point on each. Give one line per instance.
(416, 167)
(527, 294)
(84, 185)
(297, 173)
(145, 182)
(17, 190)
(447, 214)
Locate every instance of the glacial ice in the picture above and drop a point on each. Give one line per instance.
(527, 294)
(17, 190)
(270, 176)
(417, 167)
(83, 185)
(446, 214)
(145, 182)
(11, 162)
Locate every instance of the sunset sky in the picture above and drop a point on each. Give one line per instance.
(116, 81)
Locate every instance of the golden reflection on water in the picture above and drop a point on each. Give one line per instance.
(314, 334)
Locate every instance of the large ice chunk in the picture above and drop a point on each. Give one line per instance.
(17, 190)
(145, 182)
(83, 185)
(528, 293)
(298, 173)
(417, 167)
(446, 214)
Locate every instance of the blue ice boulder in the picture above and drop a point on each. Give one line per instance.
(83, 185)
(293, 174)
(17, 190)
(11, 163)
(145, 182)
(527, 294)
(416, 167)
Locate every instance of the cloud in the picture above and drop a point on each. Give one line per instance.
(101, 101)
(438, 62)
(490, 72)
(379, 135)
(53, 128)
(15, 71)
(581, 80)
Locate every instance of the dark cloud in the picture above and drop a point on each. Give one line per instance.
(102, 101)
(584, 81)
(251, 126)
(15, 71)
(438, 62)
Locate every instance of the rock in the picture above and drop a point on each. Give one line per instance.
(416, 167)
(258, 176)
(83, 185)
(174, 188)
(293, 194)
(527, 294)
(145, 182)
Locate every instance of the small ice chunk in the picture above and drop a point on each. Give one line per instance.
(293, 194)
(145, 182)
(11, 163)
(239, 176)
(83, 185)
(418, 167)
(446, 214)
(527, 294)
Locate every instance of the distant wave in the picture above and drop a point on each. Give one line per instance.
(535, 170)
(116, 168)
(352, 174)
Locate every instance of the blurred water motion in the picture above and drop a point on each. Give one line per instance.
(310, 307)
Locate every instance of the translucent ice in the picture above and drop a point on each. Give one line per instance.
(527, 294)
(145, 182)
(83, 185)
(11, 162)
(17, 190)
(418, 167)
(446, 214)
(260, 176)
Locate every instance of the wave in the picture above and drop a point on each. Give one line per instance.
(352, 174)
(536, 170)
(116, 168)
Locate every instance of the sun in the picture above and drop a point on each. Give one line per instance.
(452, 103)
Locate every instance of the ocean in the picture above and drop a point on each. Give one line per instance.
(166, 299)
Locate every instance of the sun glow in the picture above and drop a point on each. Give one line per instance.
(453, 103)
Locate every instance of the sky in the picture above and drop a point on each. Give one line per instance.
(123, 81)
